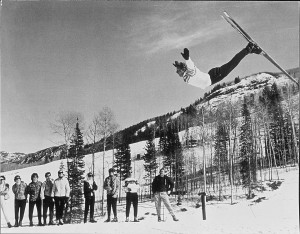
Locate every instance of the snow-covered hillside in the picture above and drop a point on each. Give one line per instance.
(270, 211)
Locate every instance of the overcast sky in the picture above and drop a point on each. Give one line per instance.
(84, 55)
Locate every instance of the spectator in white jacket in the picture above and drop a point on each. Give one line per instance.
(61, 194)
(4, 188)
(131, 188)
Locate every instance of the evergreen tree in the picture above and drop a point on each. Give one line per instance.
(172, 151)
(76, 175)
(123, 160)
(150, 163)
(221, 138)
(247, 162)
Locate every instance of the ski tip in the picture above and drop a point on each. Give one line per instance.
(225, 13)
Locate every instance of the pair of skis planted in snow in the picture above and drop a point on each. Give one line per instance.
(238, 28)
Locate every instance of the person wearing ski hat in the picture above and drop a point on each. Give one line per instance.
(131, 188)
(162, 186)
(48, 201)
(61, 194)
(19, 190)
(111, 185)
(193, 76)
(4, 196)
(34, 191)
(89, 188)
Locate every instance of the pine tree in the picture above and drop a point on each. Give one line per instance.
(122, 163)
(247, 162)
(172, 151)
(150, 163)
(76, 175)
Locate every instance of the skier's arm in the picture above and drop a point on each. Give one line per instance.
(53, 189)
(116, 187)
(170, 184)
(67, 189)
(43, 190)
(193, 76)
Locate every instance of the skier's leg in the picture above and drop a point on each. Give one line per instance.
(22, 211)
(218, 73)
(167, 203)
(92, 205)
(56, 200)
(109, 197)
(51, 210)
(86, 209)
(17, 208)
(114, 206)
(30, 211)
(45, 209)
(39, 210)
(128, 204)
(3, 208)
(135, 201)
(157, 199)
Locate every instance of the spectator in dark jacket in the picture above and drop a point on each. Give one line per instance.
(89, 188)
(19, 189)
(111, 185)
(162, 186)
(34, 192)
(48, 201)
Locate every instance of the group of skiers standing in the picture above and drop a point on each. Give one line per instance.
(162, 186)
(48, 194)
(56, 193)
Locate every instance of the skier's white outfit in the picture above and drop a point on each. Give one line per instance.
(194, 76)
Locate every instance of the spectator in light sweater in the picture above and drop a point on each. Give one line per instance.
(48, 201)
(19, 189)
(34, 192)
(61, 194)
(131, 189)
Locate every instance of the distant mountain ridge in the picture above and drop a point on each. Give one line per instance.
(249, 86)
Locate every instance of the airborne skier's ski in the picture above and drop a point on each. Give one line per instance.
(238, 28)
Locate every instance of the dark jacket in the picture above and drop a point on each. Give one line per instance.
(34, 190)
(87, 190)
(162, 184)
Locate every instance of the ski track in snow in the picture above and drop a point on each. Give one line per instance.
(278, 212)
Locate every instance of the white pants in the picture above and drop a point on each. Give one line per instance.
(162, 196)
(3, 207)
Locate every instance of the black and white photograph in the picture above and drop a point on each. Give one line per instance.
(153, 117)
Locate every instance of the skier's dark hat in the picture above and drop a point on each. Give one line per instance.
(111, 170)
(17, 177)
(90, 174)
(34, 175)
(2, 177)
(60, 172)
(47, 174)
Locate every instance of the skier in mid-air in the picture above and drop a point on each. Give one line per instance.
(193, 76)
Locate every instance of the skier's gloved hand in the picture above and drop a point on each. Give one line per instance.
(186, 54)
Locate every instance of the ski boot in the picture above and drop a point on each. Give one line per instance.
(253, 48)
